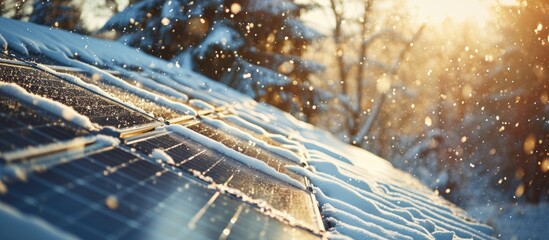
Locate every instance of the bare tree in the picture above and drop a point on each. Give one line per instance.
(366, 124)
(357, 123)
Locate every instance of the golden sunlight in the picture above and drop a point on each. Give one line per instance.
(437, 11)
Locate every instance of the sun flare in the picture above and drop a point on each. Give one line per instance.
(437, 11)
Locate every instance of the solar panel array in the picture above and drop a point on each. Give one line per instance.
(100, 110)
(15, 133)
(99, 191)
(190, 155)
(116, 194)
(126, 96)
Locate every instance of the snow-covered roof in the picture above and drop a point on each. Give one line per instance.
(83, 160)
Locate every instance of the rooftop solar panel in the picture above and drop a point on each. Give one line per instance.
(126, 96)
(157, 88)
(22, 126)
(116, 194)
(99, 109)
(247, 148)
(223, 170)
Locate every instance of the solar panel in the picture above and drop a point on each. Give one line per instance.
(116, 194)
(99, 109)
(21, 126)
(223, 170)
(247, 148)
(126, 96)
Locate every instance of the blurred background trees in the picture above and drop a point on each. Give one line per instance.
(360, 62)
(522, 83)
(64, 14)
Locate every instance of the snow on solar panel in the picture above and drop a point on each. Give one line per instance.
(148, 106)
(224, 171)
(100, 110)
(22, 126)
(114, 193)
(248, 148)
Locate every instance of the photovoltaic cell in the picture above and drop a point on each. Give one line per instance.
(21, 126)
(146, 105)
(116, 194)
(275, 161)
(190, 155)
(100, 110)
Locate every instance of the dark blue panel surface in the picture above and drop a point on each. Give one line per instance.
(21, 126)
(116, 194)
(190, 155)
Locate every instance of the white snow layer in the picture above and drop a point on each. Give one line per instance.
(361, 196)
(229, 152)
(199, 104)
(91, 54)
(289, 155)
(53, 107)
(159, 154)
(107, 140)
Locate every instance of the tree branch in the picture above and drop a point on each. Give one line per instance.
(338, 37)
(380, 99)
(363, 53)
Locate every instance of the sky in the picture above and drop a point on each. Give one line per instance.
(432, 11)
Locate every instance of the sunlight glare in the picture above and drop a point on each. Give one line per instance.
(437, 11)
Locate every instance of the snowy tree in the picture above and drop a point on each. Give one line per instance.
(254, 46)
(370, 44)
